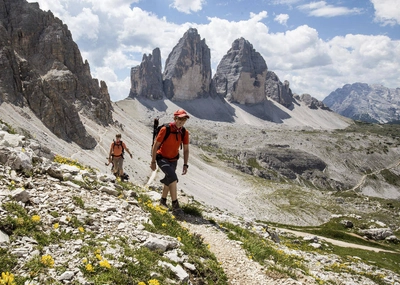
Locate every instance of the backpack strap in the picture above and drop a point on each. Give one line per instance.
(167, 132)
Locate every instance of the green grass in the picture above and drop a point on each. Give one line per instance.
(139, 264)
(334, 230)
(386, 130)
(10, 130)
(252, 162)
(205, 262)
(390, 177)
(78, 202)
(286, 265)
(261, 250)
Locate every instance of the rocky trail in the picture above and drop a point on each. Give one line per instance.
(239, 267)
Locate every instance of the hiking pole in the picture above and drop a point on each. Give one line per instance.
(155, 126)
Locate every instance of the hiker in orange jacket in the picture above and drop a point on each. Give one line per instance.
(166, 154)
(116, 156)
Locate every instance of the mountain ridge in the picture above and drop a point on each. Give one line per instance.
(371, 103)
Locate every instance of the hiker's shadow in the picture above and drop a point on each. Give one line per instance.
(194, 219)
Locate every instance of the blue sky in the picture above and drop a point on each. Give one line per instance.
(318, 46)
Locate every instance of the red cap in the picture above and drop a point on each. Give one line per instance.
(181, 114)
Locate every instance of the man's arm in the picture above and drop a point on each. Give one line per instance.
(128, 151)
(185, 158)
(153, 164)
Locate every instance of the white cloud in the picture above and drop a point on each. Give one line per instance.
(322, 9)
(387, 11)
(355, 58)
(220, 33)
(85, 24)
(299, 55)
(282, 19)
(188, 6)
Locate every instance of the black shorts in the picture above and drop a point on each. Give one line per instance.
(169, 169)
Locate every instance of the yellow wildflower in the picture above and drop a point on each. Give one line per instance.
(154, 282)
(85, 260)
(104, 263)
(164, 224)
(179, 238)
(47, 260)
(7, 278)
(89, 267)
(56, 225)
(141, 283)
(81, 229)
(99, 257)
(98, 251)
(35, 218)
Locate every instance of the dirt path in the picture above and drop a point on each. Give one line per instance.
(238, 267)
(364, 177)
(338, 242)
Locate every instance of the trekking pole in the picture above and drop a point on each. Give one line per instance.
(155, 126)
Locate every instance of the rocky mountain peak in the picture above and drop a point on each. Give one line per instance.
(241, 74)
(370, 103)
(146, 79)
(187, 73)
(42, 68)
(278, 91)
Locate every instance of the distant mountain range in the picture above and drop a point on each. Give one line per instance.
(364, 102)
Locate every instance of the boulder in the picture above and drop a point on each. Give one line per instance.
(312, 103)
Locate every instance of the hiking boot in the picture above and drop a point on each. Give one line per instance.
(163, 203)
(176, 209)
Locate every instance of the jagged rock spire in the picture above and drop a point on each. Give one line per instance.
(241, 73)
(187, 73)
(278, 91)
(146, 78)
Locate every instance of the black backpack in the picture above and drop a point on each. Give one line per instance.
(157, 128)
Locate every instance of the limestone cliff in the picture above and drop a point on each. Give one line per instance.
(41, 67)
(187, 73)
(146, 78)
(278, 91)
(241, 74)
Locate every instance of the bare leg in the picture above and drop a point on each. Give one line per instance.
(172, 190)
(165, 192)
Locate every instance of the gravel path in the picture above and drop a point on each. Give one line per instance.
(237, 266)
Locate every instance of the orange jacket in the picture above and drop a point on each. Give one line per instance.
(170, 147)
